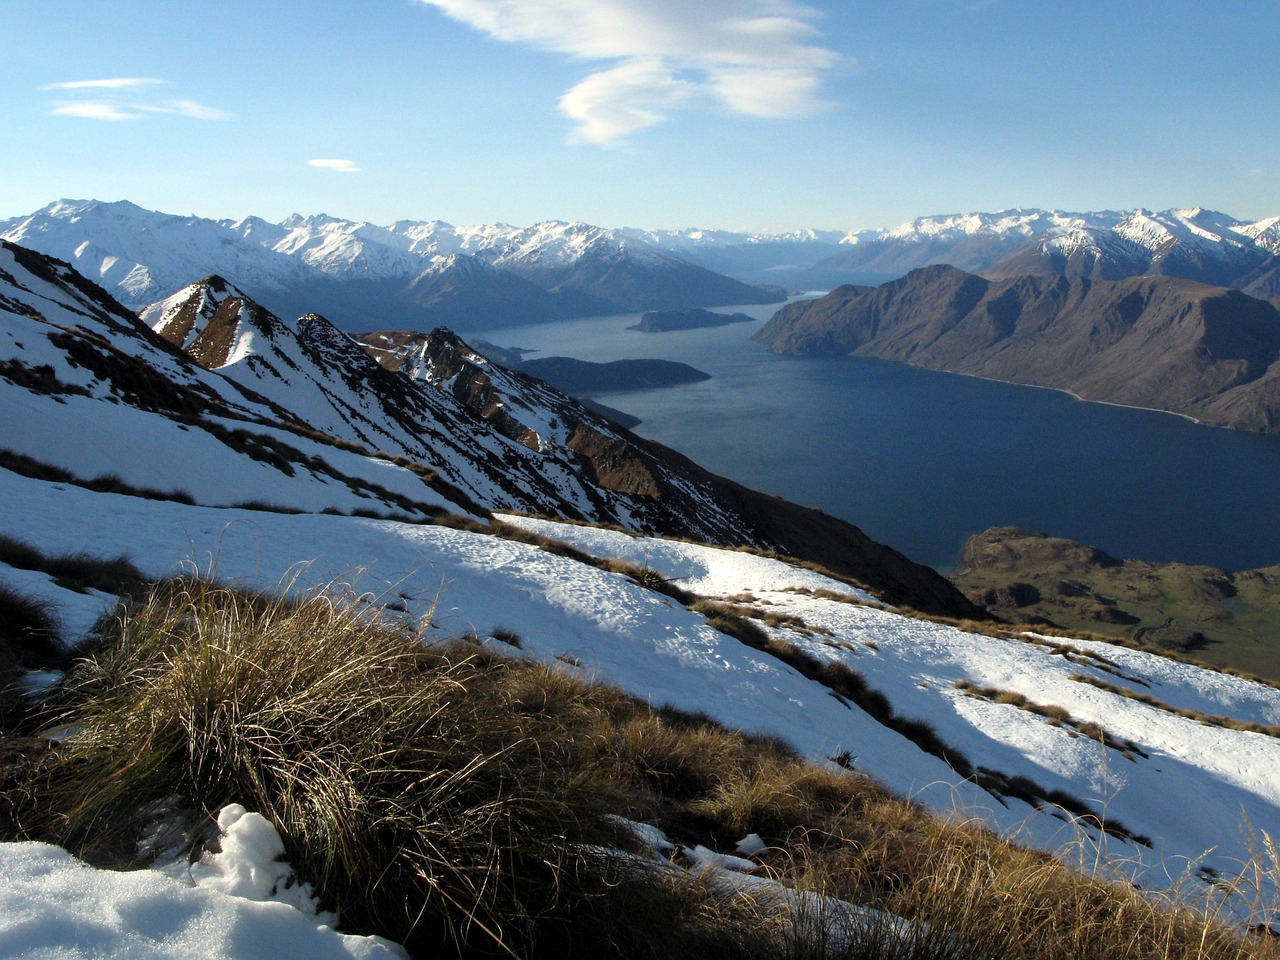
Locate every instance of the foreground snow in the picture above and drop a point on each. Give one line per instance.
(1197, 791)
(236, 904)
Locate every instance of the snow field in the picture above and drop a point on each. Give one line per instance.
(604, 626)
(236, 904)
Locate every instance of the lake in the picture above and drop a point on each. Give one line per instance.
(920, 460)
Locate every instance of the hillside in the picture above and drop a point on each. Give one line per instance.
(1032, 735)
(1223, 617)
(1158, 342)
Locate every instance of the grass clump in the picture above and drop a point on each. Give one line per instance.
(75, 571)
(440, 796)
(1208, 719)
(457, 801)
(368, 751)
(1055, 715)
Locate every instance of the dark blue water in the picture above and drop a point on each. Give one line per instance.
(920, 460)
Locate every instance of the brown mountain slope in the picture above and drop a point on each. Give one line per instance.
(1158, 342)
(1228, 619)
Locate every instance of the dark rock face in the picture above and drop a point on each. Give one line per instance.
(1158, 342)
(615, 464)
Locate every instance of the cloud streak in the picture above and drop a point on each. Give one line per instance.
(753, 57)
(117, 98)
(339, 166)
(115, 83)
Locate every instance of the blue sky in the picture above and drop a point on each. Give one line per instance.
(735, 114)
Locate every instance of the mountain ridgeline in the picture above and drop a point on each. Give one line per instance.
(217, 400)
(366, 277)
(1160, 342)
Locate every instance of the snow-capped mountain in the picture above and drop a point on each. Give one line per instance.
(368, 277)
(1194, 244)
(1053, 740)
(141, 255)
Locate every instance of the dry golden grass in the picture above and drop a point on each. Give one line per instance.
(457, 800)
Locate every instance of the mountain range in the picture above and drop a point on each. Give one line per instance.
(365, 277)
(420, 274)
(1161, 342)
(1194, 244)
(209, 431)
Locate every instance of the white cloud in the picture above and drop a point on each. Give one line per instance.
(756, 57)
(188, 108)
(118, 99)
(341, 166)
(116, 83)
(93, 110)
(614, 103)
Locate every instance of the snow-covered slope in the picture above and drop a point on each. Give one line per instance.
(86, 388)
(605, 625)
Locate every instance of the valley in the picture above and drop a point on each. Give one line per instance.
(487, 511)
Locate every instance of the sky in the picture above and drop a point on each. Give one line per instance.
(728, 114)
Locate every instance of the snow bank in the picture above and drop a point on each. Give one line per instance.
(244, 904)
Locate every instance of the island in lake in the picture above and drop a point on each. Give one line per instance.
(664, 321)
(578, 377)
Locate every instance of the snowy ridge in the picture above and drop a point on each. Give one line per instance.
(328, 382)
(1196, 244)
(142, 256)
(78, 368)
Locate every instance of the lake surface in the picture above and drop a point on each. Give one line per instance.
(920, 460)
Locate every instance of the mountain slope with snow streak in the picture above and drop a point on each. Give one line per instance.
(605, 625)
(296, 415)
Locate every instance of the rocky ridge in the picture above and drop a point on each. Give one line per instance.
(297, 416)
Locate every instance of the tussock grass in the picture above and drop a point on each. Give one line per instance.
(400, 789)
(1056, 715)
(1208, 719)
(76, 571)
(458, 800)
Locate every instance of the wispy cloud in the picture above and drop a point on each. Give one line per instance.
(94, 110)
(114, 83)
(754, 57)
(340, 166)
(119, 98)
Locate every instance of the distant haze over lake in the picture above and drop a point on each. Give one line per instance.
(920, 460)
